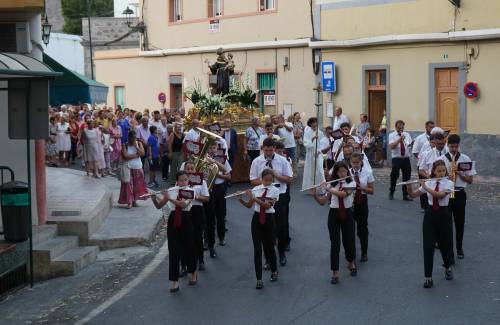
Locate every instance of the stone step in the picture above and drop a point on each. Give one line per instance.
(43, 233)
(73, 261)
(52, 248)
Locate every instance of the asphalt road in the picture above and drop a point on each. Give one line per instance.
(387, 290)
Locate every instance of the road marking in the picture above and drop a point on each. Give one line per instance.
(157, 260)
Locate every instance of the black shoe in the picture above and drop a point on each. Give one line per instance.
(448, 275)
(460, 254)
(201, 266)
(391, 195)
(428, 284)
(364, 258)
(407, 198)
(354, 271)
(213, 254)
(222, 243)
(259, 285)
(282, 259)
(334, 280)
(174, 290)
(274, 277)
(266, 267)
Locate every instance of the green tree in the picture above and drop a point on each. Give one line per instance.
(74, 10)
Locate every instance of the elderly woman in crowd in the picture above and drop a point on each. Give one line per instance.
(91, 137)
(134, 187)
(63, 140)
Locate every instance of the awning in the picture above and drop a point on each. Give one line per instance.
(74, 88)
(15, 65)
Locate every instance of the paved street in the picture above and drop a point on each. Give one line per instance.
(388, 289)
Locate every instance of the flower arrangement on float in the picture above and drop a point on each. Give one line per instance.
(239, 104)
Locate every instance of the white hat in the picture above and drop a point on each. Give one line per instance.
(437, 130)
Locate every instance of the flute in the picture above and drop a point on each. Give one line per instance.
(318, 185)
(240, 193)
(163, 191)
(415, 181)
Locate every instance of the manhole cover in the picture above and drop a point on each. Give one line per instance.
(65, 213)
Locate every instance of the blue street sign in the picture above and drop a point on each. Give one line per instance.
(328, 76)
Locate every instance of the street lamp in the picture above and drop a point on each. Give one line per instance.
(128, 13)
(46, 27)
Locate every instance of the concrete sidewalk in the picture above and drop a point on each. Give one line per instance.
(72, 191)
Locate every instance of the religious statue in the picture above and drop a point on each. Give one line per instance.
(222, 68)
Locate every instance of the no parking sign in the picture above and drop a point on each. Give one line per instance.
(471, 90)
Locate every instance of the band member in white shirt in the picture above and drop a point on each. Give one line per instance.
(263, 197)
(283, 175)
(216, 213)
(422, 139)
(430, 156)
(179, 230)
(399, 144)
(339, 118)
(462, 170)
(280, 150)
(340, 219)
(364, 185)
(326, 146)
(269, 134)
(437, 226)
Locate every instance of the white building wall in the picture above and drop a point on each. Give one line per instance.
(67, 50)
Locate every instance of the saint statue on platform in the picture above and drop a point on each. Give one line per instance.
(222, 69)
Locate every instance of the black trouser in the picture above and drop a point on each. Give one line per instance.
(180, 243)
(263, 236)
(198, 216)
(287, 214)
(73, 154)
(253, 154)
(230, 158)
(281, 223)
(424, 202)
(404, 165)
(457, 210)
(361, 217)
(165, 163)
(217, 214)
(437, 228)
(335, 226)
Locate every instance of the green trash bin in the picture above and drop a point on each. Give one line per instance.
(15, 211)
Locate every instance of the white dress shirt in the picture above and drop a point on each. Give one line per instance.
(396, 152)
(444, 185)
(428, 158)
(192, 135)
(366, 162)
(365, 176)
(334, 202)
(272, 193)
(419, 143)
(289, 141)
(174, 193)
(461, 159)
(280, 166)
(228, 168)
(200, 190)
(338, 120)
(326, 143)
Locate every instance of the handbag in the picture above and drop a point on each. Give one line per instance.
(124, 172)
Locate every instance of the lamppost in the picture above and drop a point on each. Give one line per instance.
(46, 27)
(90, 41)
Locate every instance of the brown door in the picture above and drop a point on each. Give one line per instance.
(175, 96)
(376, 107)
(447, 116)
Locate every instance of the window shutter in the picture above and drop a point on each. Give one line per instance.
(171, 13)
(210, 8)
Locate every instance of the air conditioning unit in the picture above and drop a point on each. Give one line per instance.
(15, 37)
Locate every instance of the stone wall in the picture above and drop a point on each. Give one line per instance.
(106, 29)
(54, 14)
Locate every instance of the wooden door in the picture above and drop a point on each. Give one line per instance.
(376, 107)
(447, 114)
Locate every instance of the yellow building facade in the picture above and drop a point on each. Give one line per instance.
(269, 41)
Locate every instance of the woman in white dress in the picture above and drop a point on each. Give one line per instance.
(63, 140)
(311, 136)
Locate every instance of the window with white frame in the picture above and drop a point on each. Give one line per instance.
(267, 5)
